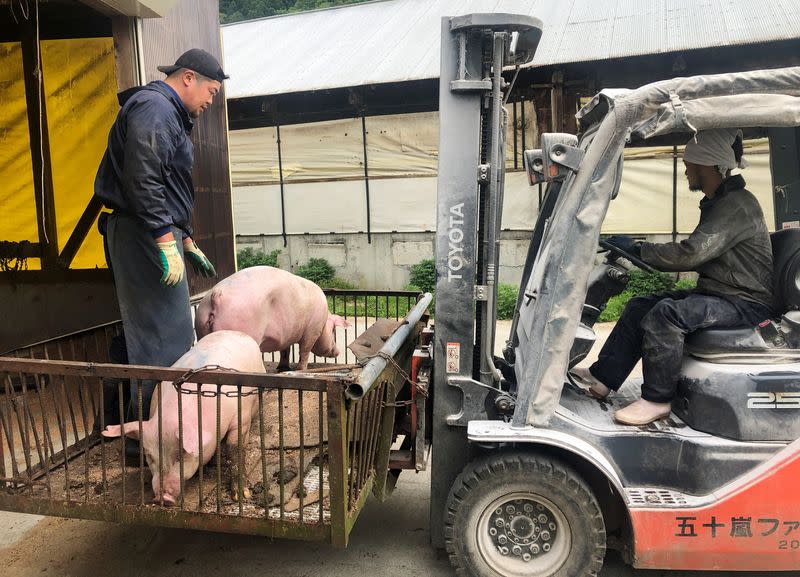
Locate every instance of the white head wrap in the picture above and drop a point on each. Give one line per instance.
(714, 148)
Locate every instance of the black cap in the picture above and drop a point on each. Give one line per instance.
(198, 60)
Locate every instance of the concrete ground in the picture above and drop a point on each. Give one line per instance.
(389, 539)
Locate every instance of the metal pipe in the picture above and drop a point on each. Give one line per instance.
(511, 86)
(462, 56)
(375, 365)
(301, 436)
(491, 320)
(366, 173)
(280, 176)
(200, 444)
(512, 49)
(491, 216)
(514, 108)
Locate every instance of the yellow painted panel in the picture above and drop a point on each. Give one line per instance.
(80, 86)
(17, 204)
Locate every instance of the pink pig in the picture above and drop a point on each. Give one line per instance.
(230, 349)
(276, 308)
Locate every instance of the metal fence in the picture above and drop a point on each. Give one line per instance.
(303, 469)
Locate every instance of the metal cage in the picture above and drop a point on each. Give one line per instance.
(313, 454)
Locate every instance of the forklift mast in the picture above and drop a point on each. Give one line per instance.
(475, 50)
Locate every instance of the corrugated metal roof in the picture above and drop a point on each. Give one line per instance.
(398, 40)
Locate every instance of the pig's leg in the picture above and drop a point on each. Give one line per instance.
(283, 365)
(304, 354)
(231, 448)
(306, 344)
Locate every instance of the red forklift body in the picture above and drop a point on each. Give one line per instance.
(751, 524)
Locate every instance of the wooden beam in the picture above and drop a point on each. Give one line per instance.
(122, 28)
(95, 276)
(40, 146)
(557, 101)
(78, 235)
(10, 249)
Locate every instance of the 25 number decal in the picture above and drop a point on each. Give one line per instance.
(773, 400)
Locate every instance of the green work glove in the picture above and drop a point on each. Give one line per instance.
(171, 262)
(199, 260)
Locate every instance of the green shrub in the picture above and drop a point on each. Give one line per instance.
(423, 275)
(248, 257)
(338, 283)
(642, 284)
(614, 307)
(506, 301)
(317, 270)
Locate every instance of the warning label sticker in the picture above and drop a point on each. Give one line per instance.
(453, 357)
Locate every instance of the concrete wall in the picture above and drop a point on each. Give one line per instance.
(386, 262)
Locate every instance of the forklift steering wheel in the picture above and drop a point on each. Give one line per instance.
(637, 262)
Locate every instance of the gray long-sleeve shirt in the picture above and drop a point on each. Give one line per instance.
(730, 248)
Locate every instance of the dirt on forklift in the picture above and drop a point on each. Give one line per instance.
(530, 475)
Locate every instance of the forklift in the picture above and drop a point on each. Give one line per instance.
(531, 476)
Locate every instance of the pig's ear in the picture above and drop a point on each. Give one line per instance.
(190, 440)
(339, 321)
(128, 429)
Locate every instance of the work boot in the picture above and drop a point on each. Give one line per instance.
(592, 385)
(642, 412)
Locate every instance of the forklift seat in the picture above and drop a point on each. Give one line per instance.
(717, 344)
(786, 267)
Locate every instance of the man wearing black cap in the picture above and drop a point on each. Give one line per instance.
(145, 178)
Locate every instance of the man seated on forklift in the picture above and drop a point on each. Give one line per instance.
(730, 250)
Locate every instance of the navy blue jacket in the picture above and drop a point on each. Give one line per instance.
(146, 170)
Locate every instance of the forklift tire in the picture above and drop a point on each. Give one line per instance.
(526, 515)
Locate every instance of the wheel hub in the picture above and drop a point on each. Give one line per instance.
(522, 528)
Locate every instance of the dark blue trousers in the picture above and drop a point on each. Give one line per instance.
(653, 328)
(157, 320)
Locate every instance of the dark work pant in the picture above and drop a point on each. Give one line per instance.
(157, 320)
(653, 328)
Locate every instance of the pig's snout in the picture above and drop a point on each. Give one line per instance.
(331, 352)
(168, 494)
(166, 500)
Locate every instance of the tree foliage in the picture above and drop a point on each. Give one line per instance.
(248, 257)
(236, 10)
(317, 270)
(423, 275)
(642, 284)
(506, 301)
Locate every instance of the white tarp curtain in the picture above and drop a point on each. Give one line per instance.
(397, 145)
(324, 189)
(644, 203)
